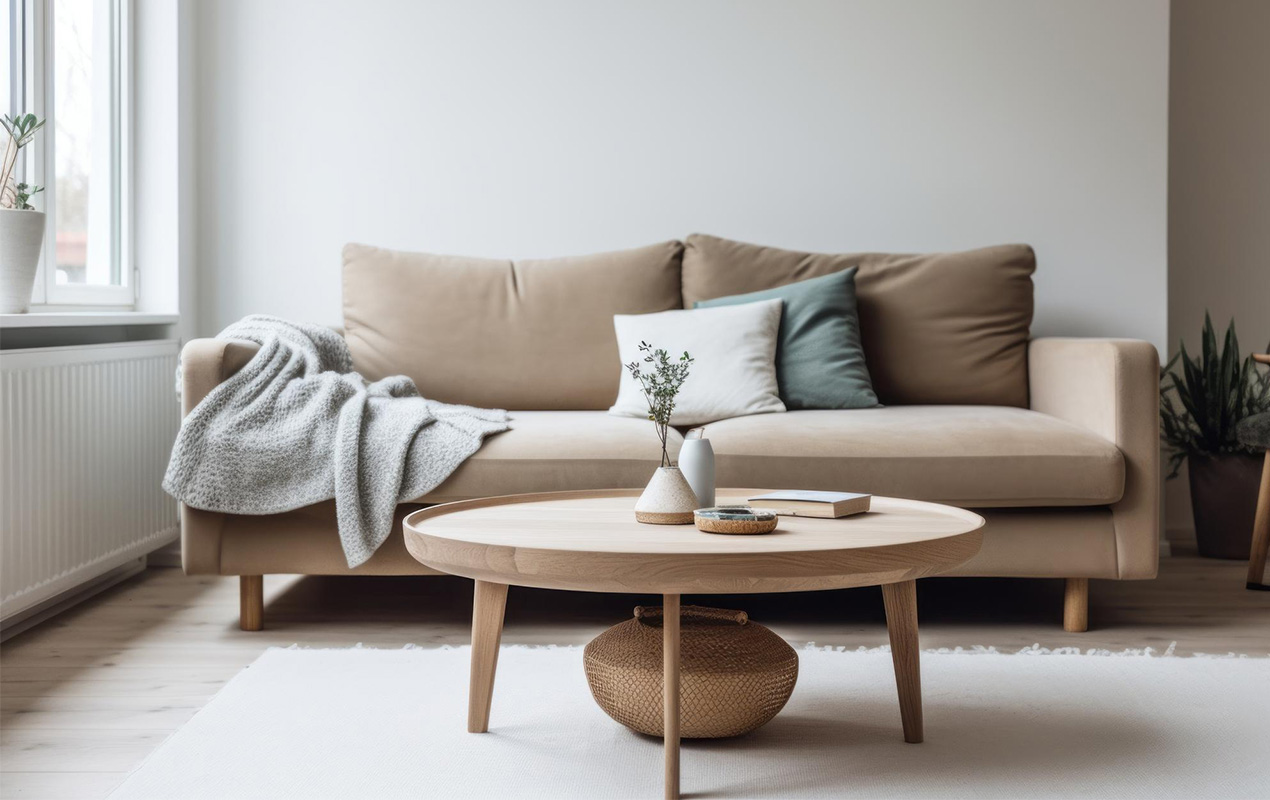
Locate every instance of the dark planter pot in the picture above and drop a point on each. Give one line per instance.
(1224, 498)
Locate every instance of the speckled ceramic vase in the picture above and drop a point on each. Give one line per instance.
(667, 500)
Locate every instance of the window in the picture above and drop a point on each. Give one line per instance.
(69, 64)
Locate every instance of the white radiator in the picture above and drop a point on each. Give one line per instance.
(85, 434)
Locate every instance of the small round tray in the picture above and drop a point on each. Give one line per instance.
(734, 520)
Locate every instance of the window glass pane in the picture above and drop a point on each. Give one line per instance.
(83, 146)
(8, 40)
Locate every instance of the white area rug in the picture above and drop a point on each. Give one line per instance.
(367, 723)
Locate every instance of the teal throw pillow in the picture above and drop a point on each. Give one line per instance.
(819, 358)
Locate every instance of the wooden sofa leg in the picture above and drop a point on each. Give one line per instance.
(251, 602)
(1076, 605)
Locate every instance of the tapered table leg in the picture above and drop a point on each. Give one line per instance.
(1260, 532)
(488, 605)
(901, 623)
(670, 691)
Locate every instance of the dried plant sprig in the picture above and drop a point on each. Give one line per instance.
(1212, 395)
(660, 386)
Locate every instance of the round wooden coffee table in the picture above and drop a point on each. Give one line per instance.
(590, 541)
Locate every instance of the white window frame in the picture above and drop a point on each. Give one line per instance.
(34, 62)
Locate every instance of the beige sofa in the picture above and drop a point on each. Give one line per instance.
(1053, 440)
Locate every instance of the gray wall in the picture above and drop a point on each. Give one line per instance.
(1219, 182)
(568, 126)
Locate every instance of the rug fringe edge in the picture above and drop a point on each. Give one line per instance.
(1034, 649)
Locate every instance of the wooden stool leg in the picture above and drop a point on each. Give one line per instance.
(670, 691)
(1076, 605)
(251, 602)
(900, 600)
(1261, 533)
(488, 605)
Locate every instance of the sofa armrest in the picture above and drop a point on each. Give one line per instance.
(205, 363)
(1111, 387)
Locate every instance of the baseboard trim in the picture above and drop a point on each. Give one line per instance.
(28, 618)
(167, 556)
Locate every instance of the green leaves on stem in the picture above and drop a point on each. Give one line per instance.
(23, 193)
(21, 131)
(660, 386)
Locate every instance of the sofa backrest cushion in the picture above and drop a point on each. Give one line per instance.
(531, 335)
(936, 328)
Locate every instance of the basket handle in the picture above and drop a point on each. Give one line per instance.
(650, 613)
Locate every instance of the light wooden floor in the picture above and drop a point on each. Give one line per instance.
(86, 696)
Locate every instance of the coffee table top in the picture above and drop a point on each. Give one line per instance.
(590, 541)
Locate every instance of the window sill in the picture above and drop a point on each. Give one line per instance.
(82, 319)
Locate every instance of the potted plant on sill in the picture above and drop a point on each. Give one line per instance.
(1200, 405)
(21, 226)
(668, 499)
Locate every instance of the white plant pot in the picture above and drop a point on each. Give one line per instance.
(21, 235)
(667, 500)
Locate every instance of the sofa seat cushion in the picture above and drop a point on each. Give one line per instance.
(964, 455)
(550, 451)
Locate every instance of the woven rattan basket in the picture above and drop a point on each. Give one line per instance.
(735, 675)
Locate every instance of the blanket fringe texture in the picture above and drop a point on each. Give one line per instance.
(297, 425)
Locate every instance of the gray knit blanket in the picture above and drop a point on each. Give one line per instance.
(297, 425)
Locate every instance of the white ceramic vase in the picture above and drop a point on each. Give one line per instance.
(667, 499)
(696, 462)
(21, 235)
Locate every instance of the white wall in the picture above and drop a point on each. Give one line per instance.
(1219, 170)
(551, 128)
(1219, 183)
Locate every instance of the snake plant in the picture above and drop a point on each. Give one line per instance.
(1202, 400)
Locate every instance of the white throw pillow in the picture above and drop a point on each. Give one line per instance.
(734, 352)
